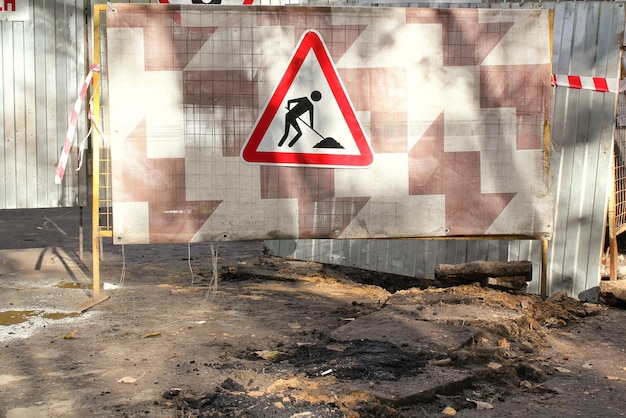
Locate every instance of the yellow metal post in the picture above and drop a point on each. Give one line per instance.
(95, 146)
(613, 249)
(95, 201)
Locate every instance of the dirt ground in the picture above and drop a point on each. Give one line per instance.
(282, 338)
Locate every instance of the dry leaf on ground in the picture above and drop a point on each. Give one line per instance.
(71, 335)
(130, 379)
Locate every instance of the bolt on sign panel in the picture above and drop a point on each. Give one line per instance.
(241, 123)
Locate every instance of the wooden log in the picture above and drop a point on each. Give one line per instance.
(513, 272)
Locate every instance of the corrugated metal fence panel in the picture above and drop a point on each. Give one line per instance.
(416, 258)
(42, 63)
(587, 41)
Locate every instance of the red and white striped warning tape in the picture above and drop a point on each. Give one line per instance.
(73, 122)
(606, 85)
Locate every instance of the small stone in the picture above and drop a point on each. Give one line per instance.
(480, 405)
(171, 393)
(525, 384)
(449, 411)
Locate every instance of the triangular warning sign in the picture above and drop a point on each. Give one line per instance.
(309, 120)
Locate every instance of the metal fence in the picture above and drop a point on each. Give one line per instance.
(42, 65)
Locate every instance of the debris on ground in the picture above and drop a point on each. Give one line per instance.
(286, 338)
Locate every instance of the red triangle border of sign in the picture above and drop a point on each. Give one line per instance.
(311, 40)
